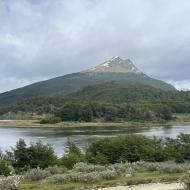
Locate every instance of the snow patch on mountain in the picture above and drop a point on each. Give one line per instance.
(116, 64)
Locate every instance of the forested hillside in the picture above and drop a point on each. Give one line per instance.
(108, 102)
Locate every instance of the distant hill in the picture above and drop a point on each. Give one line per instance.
(116, 70)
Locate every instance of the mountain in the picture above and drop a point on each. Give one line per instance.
(115, 70)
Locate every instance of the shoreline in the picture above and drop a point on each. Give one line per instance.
(180, 120)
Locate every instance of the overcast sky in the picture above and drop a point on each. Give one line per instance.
(40, 39)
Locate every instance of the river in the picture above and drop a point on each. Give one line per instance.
(58, 138)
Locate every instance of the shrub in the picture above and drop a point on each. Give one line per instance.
(55, 170)
(10, 183)
(160, 167)
(87, 168)
(92, 176)
(172, 167)
(74, 156)
(99, 158)
(5, 168)
(36, 155)
(108, 174)
(142, 166)
(70, 160)
(82, 177)
(37, 174)
(130, 148)
(122, 169)
(50, 120)
(185, 181)
(58, 179)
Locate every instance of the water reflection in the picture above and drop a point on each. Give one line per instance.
(81, 136)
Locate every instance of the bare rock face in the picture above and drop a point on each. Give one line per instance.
(116, 65)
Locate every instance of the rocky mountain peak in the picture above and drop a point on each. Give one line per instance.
(116, 64)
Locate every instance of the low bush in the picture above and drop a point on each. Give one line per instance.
(185, 181)
(58, 179)
(122, 169)
(108, 174)
(74, 156)
(50, 120)
(70, 160)
(87, 168)
(5, 168)
(10, 183)
(37, 174)
(160, 167)
(56, 170)
(172, 167)
(92, 176)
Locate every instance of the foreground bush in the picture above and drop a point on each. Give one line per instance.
(185, 181)
(160, 167)
(10, 183)
(58, 179)
(37, 174)
(33, 156)
(5, 168)
(83, 177)
(87, 168)
(122, 169)
(56, 170)
(134, 148)
(74, 156)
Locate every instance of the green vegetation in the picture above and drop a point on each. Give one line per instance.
(135, 148)
(106, 103)
(50, 120)
(33, 156)
(126, 160)
(128, 148)
(73, 82)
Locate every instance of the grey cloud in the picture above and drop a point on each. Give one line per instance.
(46, 38)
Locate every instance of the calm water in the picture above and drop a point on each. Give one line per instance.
(81, 136)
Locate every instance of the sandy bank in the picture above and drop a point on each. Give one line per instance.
(156, 186)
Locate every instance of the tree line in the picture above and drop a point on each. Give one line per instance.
(127, 148)
(108, 102)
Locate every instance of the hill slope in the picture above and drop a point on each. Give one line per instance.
(115, 70)
(106, 93)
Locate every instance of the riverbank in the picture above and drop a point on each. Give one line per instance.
(180, 119)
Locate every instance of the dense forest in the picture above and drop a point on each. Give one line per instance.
(107, 102)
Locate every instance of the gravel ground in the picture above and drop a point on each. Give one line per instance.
(157, 186)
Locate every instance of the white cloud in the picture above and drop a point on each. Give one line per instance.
(10, 83)
(47, 38)
(181, 85)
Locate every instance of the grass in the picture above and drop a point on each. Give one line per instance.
(180, 119)
(140, 178)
